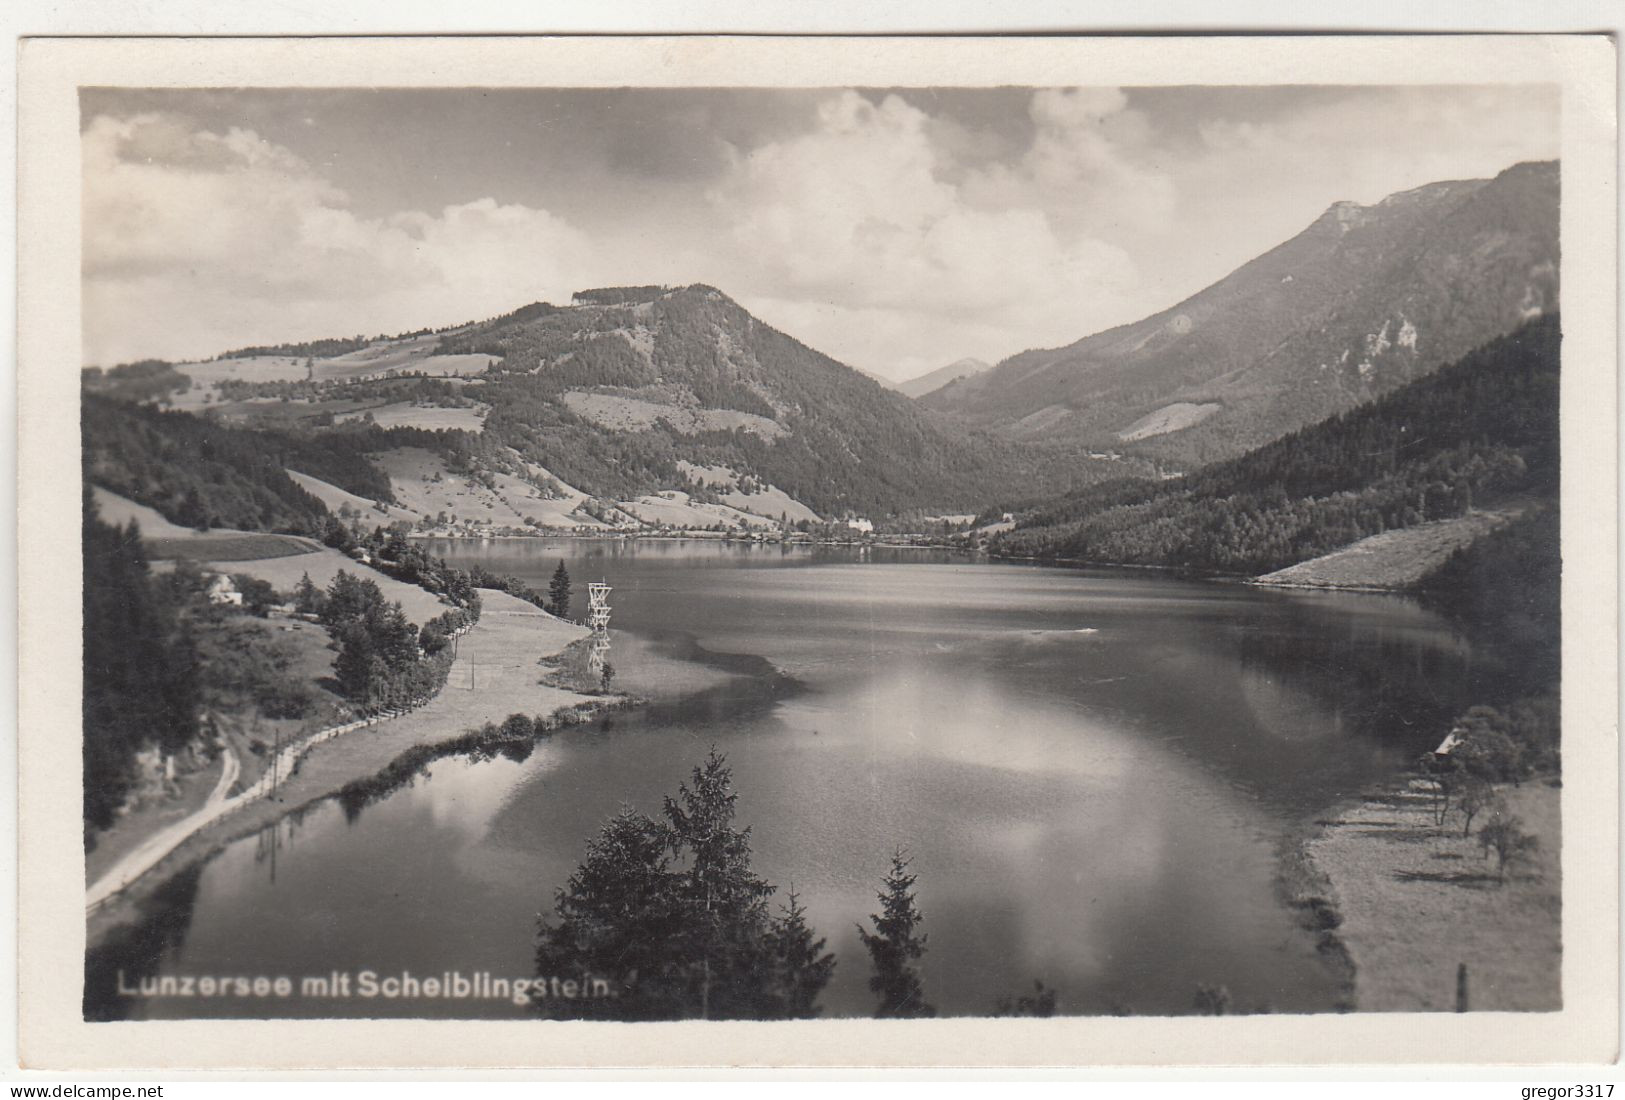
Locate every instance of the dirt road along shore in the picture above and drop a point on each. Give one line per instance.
(496, 674)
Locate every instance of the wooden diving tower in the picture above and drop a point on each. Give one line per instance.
(598, 606)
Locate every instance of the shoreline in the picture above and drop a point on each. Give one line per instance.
(1304, 887)
(696, 536)
(503, 652)
(1400, 902)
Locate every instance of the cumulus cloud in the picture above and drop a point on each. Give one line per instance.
(866, 212)
(1090, 166)
(897, 233)
(197, 241)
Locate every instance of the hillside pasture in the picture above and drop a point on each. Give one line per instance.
(404, 414)
(228, 546)
(335, 499)
(769, 501)
(676, 509)
(454, 365)
(1170, 418)
(423, 483)
(119, 511)
(323, 565)
(631, 414)
(166, 541)
(254, 368)
(414, 353)
(1393, 559)
(278, 414)
(377, 358)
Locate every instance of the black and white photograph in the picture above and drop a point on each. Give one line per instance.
(854, 550)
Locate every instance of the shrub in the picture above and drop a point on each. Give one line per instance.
(518, 726)
(1504, 835)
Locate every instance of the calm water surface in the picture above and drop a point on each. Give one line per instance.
(1092, 770)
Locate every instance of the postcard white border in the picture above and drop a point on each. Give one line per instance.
(52, 1034)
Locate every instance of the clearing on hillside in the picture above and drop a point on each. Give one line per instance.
(632, 414)
(769, 501)
(255, 368)
(1170, 418)
(412, 353)
(423, 483)
(119, 511)
(335, 499)
(229, 547)
(675, 509)
(1393, 559)
(434, 418)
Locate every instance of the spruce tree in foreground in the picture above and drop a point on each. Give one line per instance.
(894, 947)
(618, 919)
(671, 914)
(726, 901)
(804, 967)
(558, 592)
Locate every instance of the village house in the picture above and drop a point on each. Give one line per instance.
(222, 591)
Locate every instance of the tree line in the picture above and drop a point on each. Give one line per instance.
(141, 684)
(384, 659)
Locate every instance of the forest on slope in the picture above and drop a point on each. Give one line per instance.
(205, 472)
(843, 443)
(1484, 428)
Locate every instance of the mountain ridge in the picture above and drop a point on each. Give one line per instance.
(599, 407)
(933, 380)
(1481, 431)
(1361, 301)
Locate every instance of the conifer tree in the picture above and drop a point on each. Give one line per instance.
(726, 901)
(804, 967)
(558, 592)
(617, 919)
(894, 946)
(354, 667)
(307, 598)
(671, 914)
(140, 664)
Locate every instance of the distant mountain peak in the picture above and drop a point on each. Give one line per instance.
(932, 381)
(1365, 299)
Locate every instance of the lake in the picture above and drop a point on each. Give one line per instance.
(1092, 770)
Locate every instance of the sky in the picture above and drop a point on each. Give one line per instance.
(897, 230)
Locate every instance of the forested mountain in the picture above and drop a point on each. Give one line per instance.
(613, 392)
(633, 391)
(1482, 429)
(1361, 302)
(932, 381)
(626, 393)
